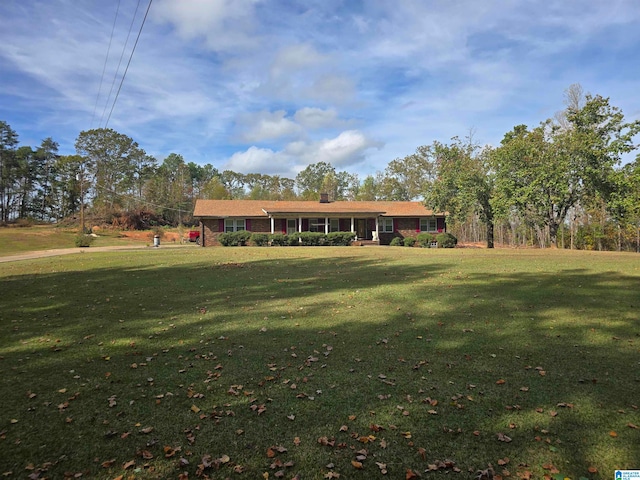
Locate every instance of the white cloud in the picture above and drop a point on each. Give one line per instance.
(314, 118)
(348, 148)
(258, 160)
(261, 126)
(224, 24)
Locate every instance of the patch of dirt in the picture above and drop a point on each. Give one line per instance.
(142, 235)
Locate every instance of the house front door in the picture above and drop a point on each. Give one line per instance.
(361, 228)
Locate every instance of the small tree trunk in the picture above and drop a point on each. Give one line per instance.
(489, 234)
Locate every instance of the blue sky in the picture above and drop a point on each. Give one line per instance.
(271, 86)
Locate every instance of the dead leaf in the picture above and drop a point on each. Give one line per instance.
(356, 464)
(410, 474)
(504, 438)
(129, 464)
(146, 430)
(296, 441)
(613, 434)
(502, 381)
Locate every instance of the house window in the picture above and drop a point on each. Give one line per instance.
(234, 224)
(428, 225)
(316, 225)
(291, 226)
(386, 225)
(334, 225)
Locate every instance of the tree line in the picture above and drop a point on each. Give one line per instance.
(560, 183)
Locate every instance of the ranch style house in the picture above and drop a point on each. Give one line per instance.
(372, 222)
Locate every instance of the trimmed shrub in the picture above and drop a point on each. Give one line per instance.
(293, 240)
(259, 239)
(425, 239)
(409, 241)
(84, 240)
(446, 240)
(278, 240)
(225, 239)
(312, 239)
(340, 239)
(396, 242)
(234, 239)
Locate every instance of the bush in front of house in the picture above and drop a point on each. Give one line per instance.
(312, 239)
(234, 239)
(446, 240)
(260, 239)
(278, 240)
(340, 239)
(409, 241)
(425, 239)
(396, 242)
(293, 239)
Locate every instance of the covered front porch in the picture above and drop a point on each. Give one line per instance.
(364, 228)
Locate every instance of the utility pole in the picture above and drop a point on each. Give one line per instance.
(80, 178)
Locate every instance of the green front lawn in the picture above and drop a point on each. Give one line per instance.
(318, 362)
(17, 240)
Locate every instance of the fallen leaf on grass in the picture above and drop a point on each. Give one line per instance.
(146, 430)
(613, 434)
(129, 464)
(504, 438)
(356, 464)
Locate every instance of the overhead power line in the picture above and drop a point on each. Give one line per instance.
(115, 74)
(104, 67)
(128, 63)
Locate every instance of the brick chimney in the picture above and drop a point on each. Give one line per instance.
(324, 198)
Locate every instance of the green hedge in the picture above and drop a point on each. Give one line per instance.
(84, 240)
(409, 241)
(312, 239)
(396, 242)
(425, 239)
(260, 239)
(278, 240)
(340, 239)
(446, 240)
(234, 239)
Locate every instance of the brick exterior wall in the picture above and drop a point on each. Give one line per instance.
(403, 227)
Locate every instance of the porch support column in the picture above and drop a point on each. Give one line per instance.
(273, 225)
(326, 225)
(300, 225)
(352, 227)
(377, 232)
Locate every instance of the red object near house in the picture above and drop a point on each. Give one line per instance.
(194, 236)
